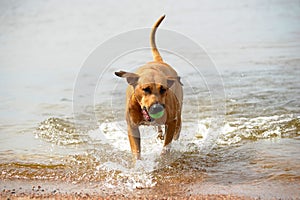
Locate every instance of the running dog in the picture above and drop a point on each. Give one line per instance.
(153, 97)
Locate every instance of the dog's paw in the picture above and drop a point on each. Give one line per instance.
(166, 150)
(160, 136)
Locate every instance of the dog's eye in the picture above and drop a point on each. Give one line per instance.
(162, 90)
(147, 90)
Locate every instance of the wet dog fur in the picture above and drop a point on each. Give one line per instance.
(154, 83)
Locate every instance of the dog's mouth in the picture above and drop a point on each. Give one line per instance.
(146, 115)
(156, 111)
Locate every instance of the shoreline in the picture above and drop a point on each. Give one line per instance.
(22, 189)
(57, 194)
(31, 189)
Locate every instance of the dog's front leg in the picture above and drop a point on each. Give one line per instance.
(170, 130)
(135, 141)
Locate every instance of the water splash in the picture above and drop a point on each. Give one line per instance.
(277, 126)
(105, 154)
(60, 131)
(128, 178)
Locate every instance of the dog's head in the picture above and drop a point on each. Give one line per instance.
(150, 90)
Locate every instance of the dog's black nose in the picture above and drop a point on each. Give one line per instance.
(156, 108)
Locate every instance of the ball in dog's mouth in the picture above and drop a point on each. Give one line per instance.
(156, 111)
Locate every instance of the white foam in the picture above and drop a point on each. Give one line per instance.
(255, 128)
(139, 176)
(200, 136)
(115, 134)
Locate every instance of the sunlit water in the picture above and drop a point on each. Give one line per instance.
(257, 143)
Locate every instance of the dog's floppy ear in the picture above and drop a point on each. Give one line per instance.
(171, 81)
(131, 78)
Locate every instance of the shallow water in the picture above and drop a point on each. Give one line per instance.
(255, 146)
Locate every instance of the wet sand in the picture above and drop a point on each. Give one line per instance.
(55, 190)
(181, 188)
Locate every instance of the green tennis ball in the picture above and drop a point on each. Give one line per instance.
(157, 115)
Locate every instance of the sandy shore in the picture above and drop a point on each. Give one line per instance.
(79, 195)
(56, 190)
(87, 196)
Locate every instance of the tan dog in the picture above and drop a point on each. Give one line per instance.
(154, 88)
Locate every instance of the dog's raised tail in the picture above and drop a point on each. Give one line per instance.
(155, 52)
